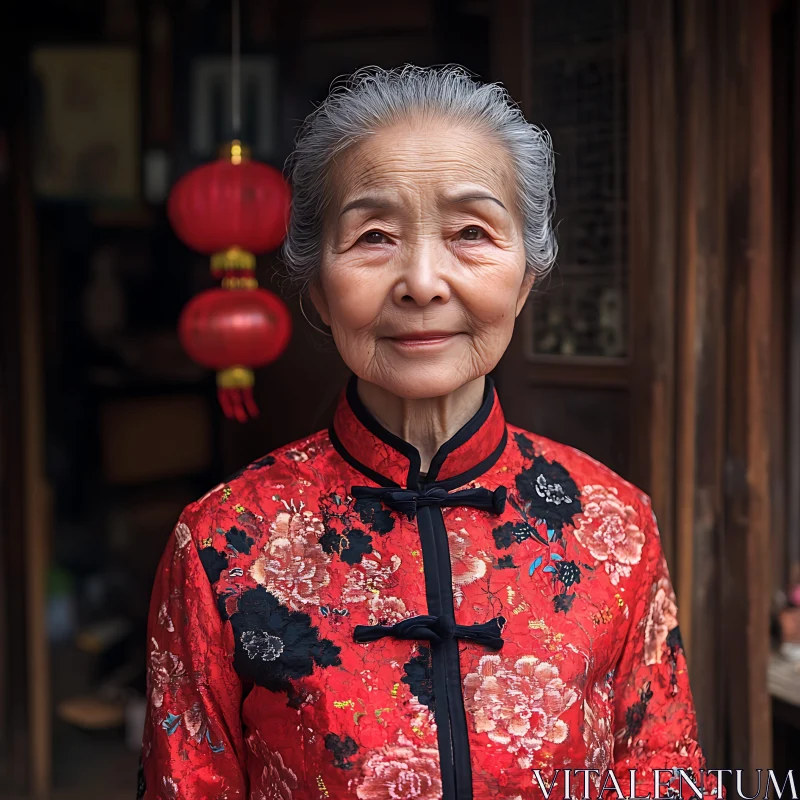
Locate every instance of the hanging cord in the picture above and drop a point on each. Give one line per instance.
(236, 69)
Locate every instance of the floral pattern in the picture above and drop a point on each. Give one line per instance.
(519, 705)
(401, 772)
(294, 564)
(608, 529)
(662, 617)
(258, 689)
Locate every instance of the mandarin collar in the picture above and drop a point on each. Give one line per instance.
(391, 461)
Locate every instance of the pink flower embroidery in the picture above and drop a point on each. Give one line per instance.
(465, 566)
(166, 670)
(294, 565)
(387, 610)
(182, 535)
(518, 706)
(401, 773)
(277, 781)
(597, 734)
(662, 617)
(370, 577)
(607, 529)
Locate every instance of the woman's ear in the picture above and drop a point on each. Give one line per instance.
(524, 291)
(320, 301)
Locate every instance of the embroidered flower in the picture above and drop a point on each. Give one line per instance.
(371, 577)
(662, 617)
(166, 670)
(597, 733)
(519, 706)
(164, 618)
(294, 565)
(386, 610)
(401, 773)
(548, 493)
(277, 781)
(259, 623)
(465, 566)
(182, 535)
(260, 645)
(607, 529)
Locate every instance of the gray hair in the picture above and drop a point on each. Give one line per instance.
(373, 98)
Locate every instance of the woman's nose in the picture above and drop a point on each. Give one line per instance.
(423, 280)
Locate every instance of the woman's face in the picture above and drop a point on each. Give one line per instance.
(423, 266)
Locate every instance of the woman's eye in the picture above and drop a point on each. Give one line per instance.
(375, 237)
(472, 233)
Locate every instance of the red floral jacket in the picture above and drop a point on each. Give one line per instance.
(331, 623)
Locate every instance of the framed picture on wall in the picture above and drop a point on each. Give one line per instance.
(86, 123)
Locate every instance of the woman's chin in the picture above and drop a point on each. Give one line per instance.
(419, 381)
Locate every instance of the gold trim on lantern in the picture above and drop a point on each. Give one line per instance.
(235, 152)
(235, 378)
(239, 283)
(233, 258)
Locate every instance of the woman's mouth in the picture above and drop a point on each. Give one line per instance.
(423, 339)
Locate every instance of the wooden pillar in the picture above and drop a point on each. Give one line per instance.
(747, 114)
(700, 443)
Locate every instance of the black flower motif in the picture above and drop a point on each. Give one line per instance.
(568, 572)
(674, 640)
(213, 562)
(342, 749)
(419, 677)
(350, 546)
(563, 602)
(267, 461)
(239, 541)
(549, 493)
(374, 515)
(636, 713)
(525, 446)
(275, 645)
(505, 562)
(514, 533)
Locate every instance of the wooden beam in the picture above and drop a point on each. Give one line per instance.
(36, 492)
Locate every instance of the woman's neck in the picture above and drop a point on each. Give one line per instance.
(426, 423)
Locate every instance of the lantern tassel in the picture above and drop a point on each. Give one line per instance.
(235, 393)
(238, 404)
(249, 402)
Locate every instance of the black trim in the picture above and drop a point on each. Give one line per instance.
(356, 464)
(450, 715)
(365, 417)
(465, 433)
(415, 479)
(478, 470)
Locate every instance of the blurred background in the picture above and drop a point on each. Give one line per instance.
(666, 343)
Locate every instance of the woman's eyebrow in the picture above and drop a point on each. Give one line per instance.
(469, 197)
(369, 202)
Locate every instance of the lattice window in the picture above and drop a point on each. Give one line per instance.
(580, 96)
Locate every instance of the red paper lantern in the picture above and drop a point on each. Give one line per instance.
(232, 203)
(247, 329)
(231, 210)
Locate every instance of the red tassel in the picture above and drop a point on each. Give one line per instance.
(237, 404)
(249, 402)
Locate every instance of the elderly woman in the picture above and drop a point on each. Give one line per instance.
(422, 601)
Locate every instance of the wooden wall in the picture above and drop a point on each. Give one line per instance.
(694, 391)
